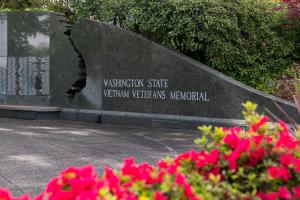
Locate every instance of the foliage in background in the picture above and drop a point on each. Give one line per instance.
(290, 31)
(260, 163)
(61, 6)
(298, 87)
(241, 38)
(286, 84)
(106, 10)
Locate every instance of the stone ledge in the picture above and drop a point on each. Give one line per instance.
(30, 108)
(151, 120)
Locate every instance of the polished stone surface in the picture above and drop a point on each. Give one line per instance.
(32, 152)
(24, 58)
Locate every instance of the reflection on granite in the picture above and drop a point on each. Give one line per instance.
(24, 54)
(39, 41)
(27, 76)
(28, 34)
(38, 76)
(3, 34)
(3, 70)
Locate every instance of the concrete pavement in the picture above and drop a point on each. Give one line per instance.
(32, 152)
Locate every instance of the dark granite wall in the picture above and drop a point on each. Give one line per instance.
(113, 53)
(125, 73)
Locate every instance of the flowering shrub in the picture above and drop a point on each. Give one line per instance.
(293, 7)
(262, 162)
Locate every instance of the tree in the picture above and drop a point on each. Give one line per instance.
(15, 4)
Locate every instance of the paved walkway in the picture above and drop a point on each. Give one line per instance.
(32, 152)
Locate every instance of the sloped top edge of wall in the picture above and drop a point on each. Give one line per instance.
(195, 63)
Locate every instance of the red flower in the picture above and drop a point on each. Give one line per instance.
(232, 159)
(112, 179)
(23, 197)
(296, 191)
(258, 139)
(139, 172)
(232, 140)
(235, 130)
(286, 141)
(5, 194)
(162, 164)
(159, 196)
(268, 196)
(205, 158)
(256, 155)
(287, 159)
(241, 147)
(54, 185)
(284, 126)
(237, 148)
(263, 120)
(283, 193)
(297, 165)
(213, 157)
(280, 173)
(180, 180)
